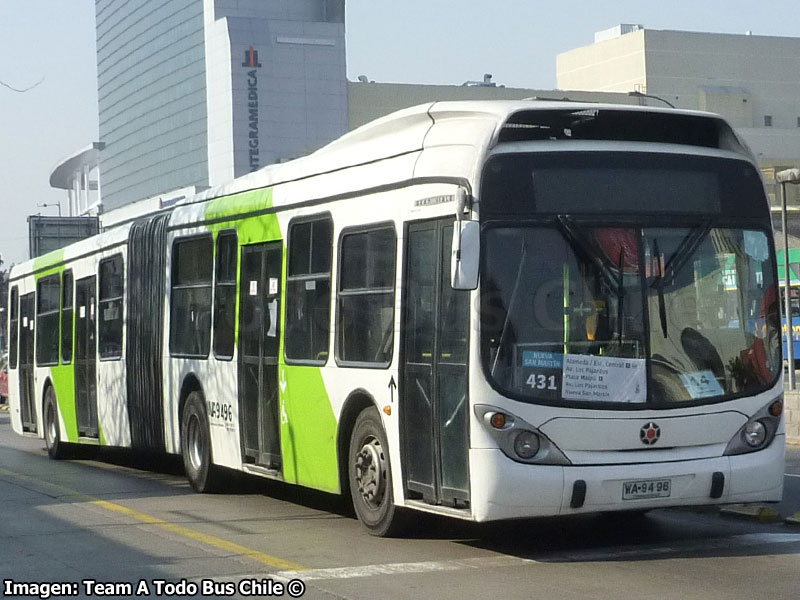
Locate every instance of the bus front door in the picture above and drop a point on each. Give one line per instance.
(27, 395)
(86, 358)
(434, 370)
(259, 335)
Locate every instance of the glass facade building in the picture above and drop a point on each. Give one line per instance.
(197, 92)
(152, 97)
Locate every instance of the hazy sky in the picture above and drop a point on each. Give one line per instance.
(410, 41)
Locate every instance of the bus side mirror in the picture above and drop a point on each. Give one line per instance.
(465, 256)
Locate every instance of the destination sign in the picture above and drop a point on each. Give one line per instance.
(604, 379)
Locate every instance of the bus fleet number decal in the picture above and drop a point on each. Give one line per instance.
(221, 411)
(538, 381)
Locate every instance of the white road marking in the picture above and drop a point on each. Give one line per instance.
(679, 547)
(405, 568)
(791, 475)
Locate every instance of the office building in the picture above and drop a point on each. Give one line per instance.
(196, 92)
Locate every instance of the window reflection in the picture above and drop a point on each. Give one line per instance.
(703, 298)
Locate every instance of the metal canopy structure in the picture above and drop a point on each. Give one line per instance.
(74, 174)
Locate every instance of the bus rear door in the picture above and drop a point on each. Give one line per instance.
(85, 358)
(27, 395)
(259, 336)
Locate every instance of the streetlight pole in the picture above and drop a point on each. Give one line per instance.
(46, 204)
(784, 177)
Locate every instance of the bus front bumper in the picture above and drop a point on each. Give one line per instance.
(504, 489)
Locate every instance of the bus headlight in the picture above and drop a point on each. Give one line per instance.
(518, 440)
(526, 444)
(759, 430)
(754, 433)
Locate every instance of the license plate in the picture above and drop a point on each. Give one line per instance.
(646, 488)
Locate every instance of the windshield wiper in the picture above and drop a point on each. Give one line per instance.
(659, 283)
(620, 294)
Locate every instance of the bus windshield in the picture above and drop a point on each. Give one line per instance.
(596, 313)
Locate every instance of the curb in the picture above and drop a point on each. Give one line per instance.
(762, 514)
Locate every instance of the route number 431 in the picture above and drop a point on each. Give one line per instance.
(542, 382)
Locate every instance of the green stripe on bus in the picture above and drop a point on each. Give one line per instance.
(308, 429)
(238, 204)
(52, 261)
(64, 383)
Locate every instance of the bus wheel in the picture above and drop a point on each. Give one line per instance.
(196, 445)
(56, 449)
(370, 477)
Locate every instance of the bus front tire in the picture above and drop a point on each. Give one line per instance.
(370, 477)
(196, 445)
(56, 449)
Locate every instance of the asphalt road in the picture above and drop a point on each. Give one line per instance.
(132, 524)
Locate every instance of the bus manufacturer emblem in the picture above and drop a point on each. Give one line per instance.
(649, 434)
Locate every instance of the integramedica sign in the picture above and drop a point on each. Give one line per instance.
(251, 66)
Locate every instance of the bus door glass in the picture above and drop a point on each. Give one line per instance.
(27, 394)
(85, 357)
(259, 335)
(434, 379)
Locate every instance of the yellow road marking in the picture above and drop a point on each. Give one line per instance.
(209, 540)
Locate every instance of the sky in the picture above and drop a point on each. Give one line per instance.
(413, 41)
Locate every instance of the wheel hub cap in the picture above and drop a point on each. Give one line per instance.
(371, 473)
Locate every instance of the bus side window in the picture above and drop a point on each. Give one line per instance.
(190, 304)
(308, 291)
(13, 332)
(110, 308)
(66, 318)
(48, 295)
(225, 294)
(365, 324)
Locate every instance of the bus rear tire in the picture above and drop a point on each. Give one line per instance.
(196, 445)
(56, 449)
(370, 477)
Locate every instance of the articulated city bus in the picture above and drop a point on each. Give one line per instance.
(486, 310)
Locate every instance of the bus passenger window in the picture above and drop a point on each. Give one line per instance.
(48, 294)
(13, 332)
(110, 308)
(308, 292)
(66, 319)
(190, 306)
(365, 329)
(225, 295)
